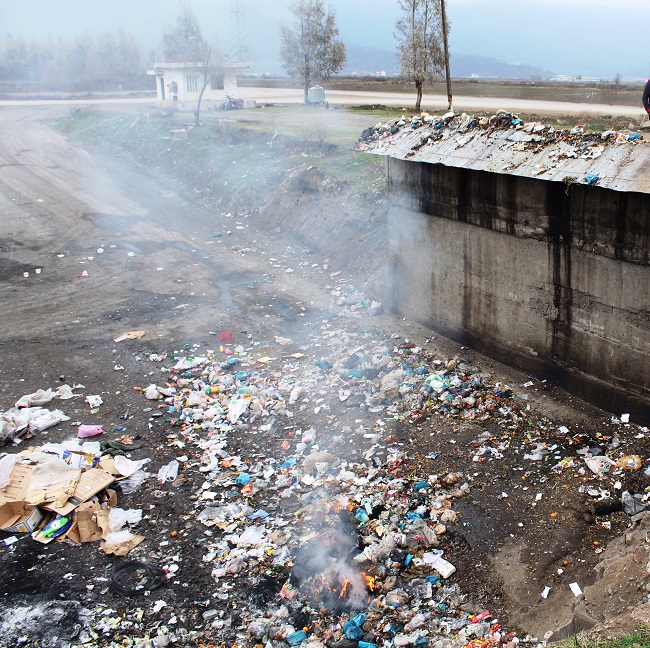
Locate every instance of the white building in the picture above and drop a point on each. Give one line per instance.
(183, 81)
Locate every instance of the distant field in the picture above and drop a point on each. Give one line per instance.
(625, 94)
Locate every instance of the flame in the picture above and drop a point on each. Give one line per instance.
(370, 582)
(344, 589)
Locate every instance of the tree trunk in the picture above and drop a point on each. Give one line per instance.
(197, 112)
(418, 101)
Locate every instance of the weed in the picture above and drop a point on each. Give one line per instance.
(640, 638)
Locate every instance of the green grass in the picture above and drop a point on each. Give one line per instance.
(236, 162)
(640, 638)
(79, 119)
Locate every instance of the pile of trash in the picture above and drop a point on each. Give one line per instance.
(61, 491)
(434, 128)
(28, 416)
(333, 532)
(348, 551)
(353, 546)
(545, 146)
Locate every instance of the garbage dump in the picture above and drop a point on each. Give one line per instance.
(507, 144)
(323, 503)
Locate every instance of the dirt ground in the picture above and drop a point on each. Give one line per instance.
(184, 271)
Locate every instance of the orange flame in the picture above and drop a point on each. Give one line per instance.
(370, 582)
(344, 589)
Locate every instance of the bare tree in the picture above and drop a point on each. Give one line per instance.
(89, 62)
(211, 61)
(184, 43)
(618, 77)
(419, 36)
(311, 51)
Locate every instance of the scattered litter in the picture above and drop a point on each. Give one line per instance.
(168, 472)
(136, 577)
(85, 431)
(129, 335)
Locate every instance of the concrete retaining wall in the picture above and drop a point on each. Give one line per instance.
(549, 277)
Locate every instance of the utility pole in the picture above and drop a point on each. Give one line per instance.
(444, 39)
(238, 22)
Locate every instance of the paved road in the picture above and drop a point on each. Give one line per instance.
(432, 102)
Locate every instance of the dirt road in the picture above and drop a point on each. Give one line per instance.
(429, 101)
(110, 246)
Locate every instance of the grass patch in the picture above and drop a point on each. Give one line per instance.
(79, 119)
(640, 638)
(239, 162)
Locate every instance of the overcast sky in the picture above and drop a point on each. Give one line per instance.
(588, 37)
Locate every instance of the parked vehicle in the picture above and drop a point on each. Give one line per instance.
(233, 103)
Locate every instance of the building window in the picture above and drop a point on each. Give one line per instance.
(190, 84)
(216, 81)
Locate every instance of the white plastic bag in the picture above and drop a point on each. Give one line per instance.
(64, 392)
(47, 420)
(134, 482)
(252, 536)
(7, 464)
(168, 472)
(152, 393)
(126, 466)
(39, 397)
(118, 518)
(236, 408)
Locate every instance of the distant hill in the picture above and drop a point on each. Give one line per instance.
(366, 61)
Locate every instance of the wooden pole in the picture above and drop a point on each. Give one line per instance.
(444, 39)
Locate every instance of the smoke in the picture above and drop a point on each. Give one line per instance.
(325, 570)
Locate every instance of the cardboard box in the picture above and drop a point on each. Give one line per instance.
(19, 517)
(52, 482)
(16, 490)
(90, 483)
(86, 526)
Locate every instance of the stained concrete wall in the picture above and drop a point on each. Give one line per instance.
(552, 278)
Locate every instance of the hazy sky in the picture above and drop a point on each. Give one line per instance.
(588, 37)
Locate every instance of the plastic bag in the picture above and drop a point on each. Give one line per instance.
(127, 467)
(7, 464)
(152, 393)
(133, 483)
(47, 420)
(118, 518)
(39, 397)
(631, 505)
(236, 408)
(600, 465)
(86, 431)
(218, 514)
(252, 536)
(64, 392)
(168, 472)
(14, 420)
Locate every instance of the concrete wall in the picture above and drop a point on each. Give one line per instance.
(550, 278)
